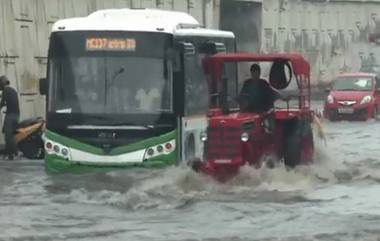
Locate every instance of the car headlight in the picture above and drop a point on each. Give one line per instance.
(244, 137)
(366, 99)
(330, 99)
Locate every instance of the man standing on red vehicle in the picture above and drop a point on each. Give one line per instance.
(10, 100)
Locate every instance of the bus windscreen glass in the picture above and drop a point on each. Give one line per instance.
(109, 73)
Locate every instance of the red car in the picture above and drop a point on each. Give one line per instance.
(353, 96)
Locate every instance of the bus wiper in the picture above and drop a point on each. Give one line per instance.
(129, 124)
(107, 84)
(164, 110)
(116, 74)
(146, 126)
(97, 117)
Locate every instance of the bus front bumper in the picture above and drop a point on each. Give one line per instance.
(55, 163)
(64, 154)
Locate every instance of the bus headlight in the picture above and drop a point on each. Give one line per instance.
(160, 148)
(53, 148)
(65, 152)
(168, 146)
(165, 148)
(150, 152)
(49, 146)
(56, 149)
(244, 137)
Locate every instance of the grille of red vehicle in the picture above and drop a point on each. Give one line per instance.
(223, 143)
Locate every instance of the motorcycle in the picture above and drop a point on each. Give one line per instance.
(29, 138)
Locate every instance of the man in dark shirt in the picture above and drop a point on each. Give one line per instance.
(10, 100)
(257, 95)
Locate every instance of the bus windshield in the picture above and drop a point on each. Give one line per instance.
(126, 76)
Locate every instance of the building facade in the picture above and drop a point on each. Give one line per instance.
(24, 34)
(331, 34)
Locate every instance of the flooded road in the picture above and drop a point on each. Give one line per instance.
(336, 198)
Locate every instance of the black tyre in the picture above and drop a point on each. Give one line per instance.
(332, 117)
(298, 143)
(32, 147)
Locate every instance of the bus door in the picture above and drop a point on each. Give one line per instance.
(182, 75)
(194, 97)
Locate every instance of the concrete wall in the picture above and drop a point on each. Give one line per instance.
(25, 27)
(244, 19)
(333, 35)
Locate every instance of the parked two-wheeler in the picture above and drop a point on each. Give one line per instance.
(29, 138)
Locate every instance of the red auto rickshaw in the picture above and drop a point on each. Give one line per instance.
(235, 138)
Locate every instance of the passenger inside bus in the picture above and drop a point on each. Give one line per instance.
(149, 100)
(87, 93)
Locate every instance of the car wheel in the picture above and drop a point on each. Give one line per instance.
(330, 115)
(332, 118)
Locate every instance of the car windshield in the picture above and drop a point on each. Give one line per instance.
(353, 84)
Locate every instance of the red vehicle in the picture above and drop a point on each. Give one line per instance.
(353, 96)
(235, 138)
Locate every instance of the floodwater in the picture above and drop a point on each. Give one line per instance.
(336, 198)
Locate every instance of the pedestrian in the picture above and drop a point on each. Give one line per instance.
(10, 101)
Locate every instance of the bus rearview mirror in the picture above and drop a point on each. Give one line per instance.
(212, 47)
(188, 49)
(43, 86)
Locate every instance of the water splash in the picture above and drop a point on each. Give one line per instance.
(180, 187)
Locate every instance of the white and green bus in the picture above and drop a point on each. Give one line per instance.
(126, 87)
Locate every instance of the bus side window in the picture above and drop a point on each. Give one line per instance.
(196, 86)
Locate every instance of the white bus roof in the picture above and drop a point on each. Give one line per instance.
(143, 20)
